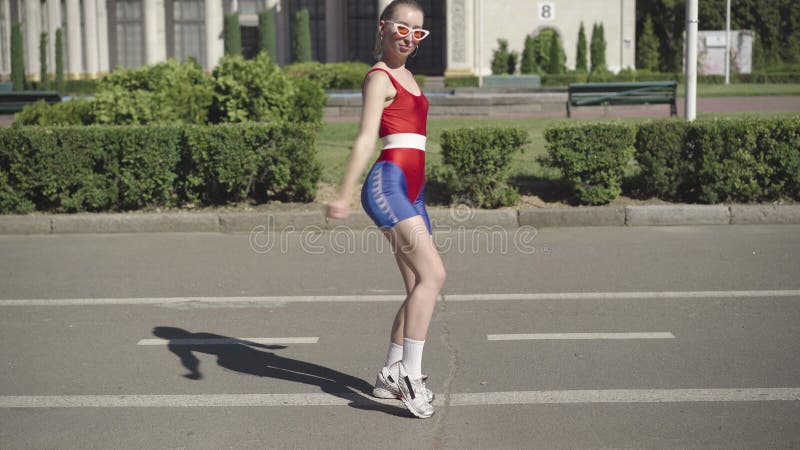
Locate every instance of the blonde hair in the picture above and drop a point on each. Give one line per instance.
(387, 13)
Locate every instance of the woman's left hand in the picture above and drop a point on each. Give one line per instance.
(338, 209)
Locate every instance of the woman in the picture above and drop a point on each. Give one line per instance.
(395, 109)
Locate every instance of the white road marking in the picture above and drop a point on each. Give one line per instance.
(399, 298)
(626, 396)
(343, 399)
(229, 341)
(570, 336)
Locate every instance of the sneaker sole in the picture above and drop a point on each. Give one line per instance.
(410, 406)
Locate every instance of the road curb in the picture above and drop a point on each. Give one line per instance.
(442, 219)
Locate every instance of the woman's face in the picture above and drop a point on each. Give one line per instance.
(392, 41)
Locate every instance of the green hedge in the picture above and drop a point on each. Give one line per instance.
(742, 160)
(461, 82)
(101, 168)
(591, 157)
(476, 165)
(349, 75)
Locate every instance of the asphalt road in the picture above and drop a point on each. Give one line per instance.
(671, 337)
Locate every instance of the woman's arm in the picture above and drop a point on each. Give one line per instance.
(376, 88)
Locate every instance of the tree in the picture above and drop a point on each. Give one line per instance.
(232, 34)
(528, 64)
(266, 33)
(557, 55)
(17, 58)
(596, 49)
(603, 45)
(647, 57)
(580, 58)
(43, 78)
(301, 37)
(59, 60)
(500, 58)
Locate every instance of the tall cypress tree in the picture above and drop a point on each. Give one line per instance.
(594, 55)
(17, 58)
(59, 60)
(266, 33)
(43, 78)
(528, 64)
(603, 45)
(301, 37)
(580, 59)
(233, 34)
(556, 55)
(647, 57)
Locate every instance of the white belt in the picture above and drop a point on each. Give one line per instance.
(404, 140)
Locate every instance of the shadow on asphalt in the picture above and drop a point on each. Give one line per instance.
(250, 358)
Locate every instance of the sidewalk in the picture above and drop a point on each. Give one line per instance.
(442, 219)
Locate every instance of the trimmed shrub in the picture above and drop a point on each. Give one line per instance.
(232, 34)
(73, 112)
(266, 33)
(563, 79)
(581, 63)
(17, 58)
(591, 158)
(345, 75)
(461, 81)
(43, 78)
(476, 165)
(309, 101)
(301, 37)
(664, 165)
(98, 168)
(59, 60)
(557, 56)
(500, 58)
(647, 56)
(254, 90)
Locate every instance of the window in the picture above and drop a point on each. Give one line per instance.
(362, 23)
(190, 30)
(130, 33)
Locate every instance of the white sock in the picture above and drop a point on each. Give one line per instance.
(395, 354)
(412, 357)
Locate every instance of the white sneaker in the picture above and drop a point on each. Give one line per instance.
(383, 388)
(412, 392)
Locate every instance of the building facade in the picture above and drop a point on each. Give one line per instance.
(100, 35)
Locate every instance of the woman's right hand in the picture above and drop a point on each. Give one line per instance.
(338, 209)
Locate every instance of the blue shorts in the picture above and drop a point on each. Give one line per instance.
(384, 197)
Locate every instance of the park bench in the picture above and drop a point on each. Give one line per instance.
(13, 102)
(640, 93)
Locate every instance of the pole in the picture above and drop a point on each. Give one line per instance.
(728, 45)
(479, 39)
(691, 59)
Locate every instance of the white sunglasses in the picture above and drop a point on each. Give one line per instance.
(417, 34)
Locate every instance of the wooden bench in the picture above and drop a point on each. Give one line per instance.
(13, 102)
(641, 93)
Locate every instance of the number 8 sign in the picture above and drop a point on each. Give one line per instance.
(547, 11)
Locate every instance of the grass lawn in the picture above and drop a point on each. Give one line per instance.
(742, 90)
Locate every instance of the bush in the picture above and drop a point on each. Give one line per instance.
(74, 112)
(266, 33)
(59, 60)
(477, 162)
(301, 37)
(345, 75)
(581, 63)
(254, 90)
(664, 165)
(501, 59)
(43, 78)
(232, 34)
(309, 101)
(550, 80)
(98, 168)
(461, 82)
(591, 158)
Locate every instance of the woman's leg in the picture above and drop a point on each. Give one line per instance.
(410, 281)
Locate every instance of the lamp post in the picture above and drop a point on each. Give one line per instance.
(728, 44)
(691, 60)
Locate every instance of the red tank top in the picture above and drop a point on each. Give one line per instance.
(408, 113)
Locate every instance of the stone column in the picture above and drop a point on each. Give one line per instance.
(32, 29)
(103, 63)
(215, 45)
(382, 4)
(90, 35)
(74, 42)
(155, 39)
(460, 32)
(5, 64)
(53, 24)
(335, 38)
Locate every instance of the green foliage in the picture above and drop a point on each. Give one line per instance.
(254, 90)
(17, 58)
(266, 33)
(99, 168)
(301, 37)
(501, 59)
(563, 79)
(73, 112)
(476, 165)
(43, 78)
(647, 56)
(557, 56)
(344, 75)
(591, 158)
(168, 92)
(663, 161)
(59, 60)
(598, 49)
(581, 63)
(528, 64)
(308, 101)
(541, 49)
(232, 33)
(461, 82)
